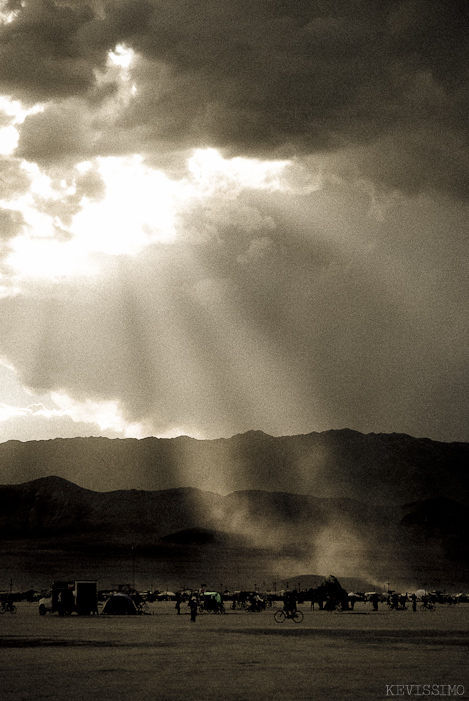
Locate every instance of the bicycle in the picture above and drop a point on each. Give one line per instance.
(143, 608)
(282, 614)
(254, 608)
(427, 606)
(8, 608)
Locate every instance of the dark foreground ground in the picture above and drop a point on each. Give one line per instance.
(354, 656)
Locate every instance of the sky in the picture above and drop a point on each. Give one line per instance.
(223, 216)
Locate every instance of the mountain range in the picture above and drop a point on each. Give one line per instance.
(376, 507)
(340, 463)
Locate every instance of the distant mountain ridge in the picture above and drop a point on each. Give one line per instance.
(387, 468)
(376, 506)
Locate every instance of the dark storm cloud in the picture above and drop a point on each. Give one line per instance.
(43, 54)
(416, 161)
(268, 79)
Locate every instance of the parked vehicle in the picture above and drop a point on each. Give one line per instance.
(212, 602)
(65, 598)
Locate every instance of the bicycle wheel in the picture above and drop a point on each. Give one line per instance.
(13, 608)
(297, 616)
(279, 616)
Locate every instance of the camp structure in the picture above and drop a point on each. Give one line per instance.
(330, 595)
(86, 597)
(120, 604)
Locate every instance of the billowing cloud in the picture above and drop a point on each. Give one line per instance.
(54, 133)
(16, 423)
(269, 80)
(43, 52)
(224, 216)
(13, 179)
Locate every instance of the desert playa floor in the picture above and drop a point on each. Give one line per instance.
(357, 656)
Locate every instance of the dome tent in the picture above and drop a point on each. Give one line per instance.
(120, 605)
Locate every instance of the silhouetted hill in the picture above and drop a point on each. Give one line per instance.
(373, 468)
(201, 536)
(443, 521)
(52, 506)
(188, 530)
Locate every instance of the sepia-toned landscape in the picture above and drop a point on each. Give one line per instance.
(234, 387)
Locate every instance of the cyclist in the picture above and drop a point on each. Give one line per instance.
(289, 604)
(7, 605)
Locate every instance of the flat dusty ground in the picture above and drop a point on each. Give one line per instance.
(237, 656)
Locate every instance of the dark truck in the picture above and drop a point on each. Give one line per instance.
(65, 598)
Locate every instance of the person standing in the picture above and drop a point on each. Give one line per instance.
(193, 603)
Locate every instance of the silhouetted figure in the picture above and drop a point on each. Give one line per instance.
(374, 601)
(414, 602)
(256, 603)
(66, 602)
(178, 604)
(289, 603)
(193, 604)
